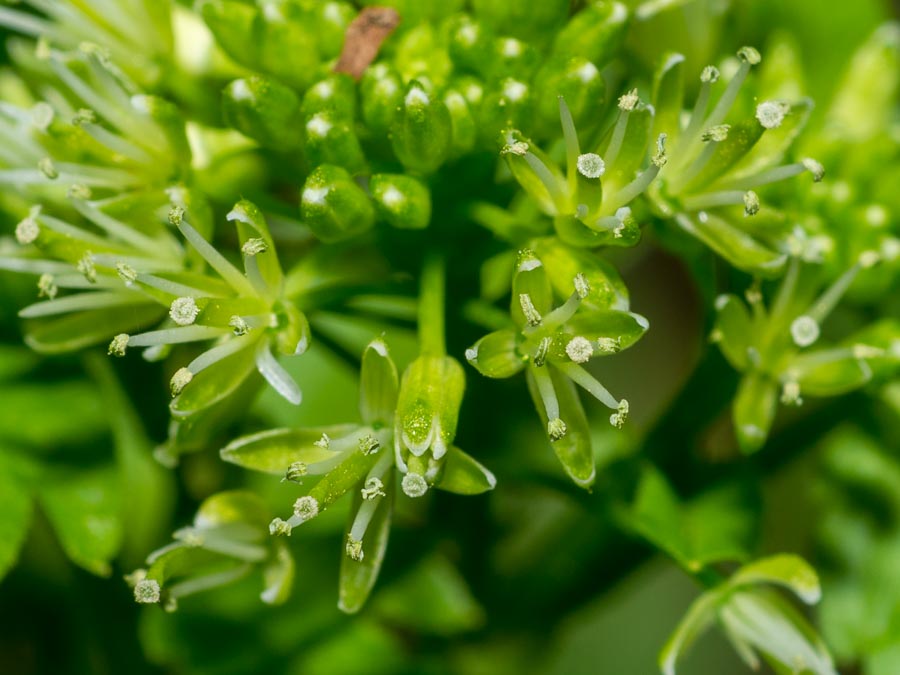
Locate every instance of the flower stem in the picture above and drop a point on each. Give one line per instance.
(431, 307)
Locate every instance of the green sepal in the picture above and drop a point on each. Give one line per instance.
(334, 206)
(754, 410)
(462, 474)
(574, 449)
(733, 330)
(403, 201)
(421, 133)
(495, 355)
(357, 578)
(378, 386)
(274, 450)
(264, 110)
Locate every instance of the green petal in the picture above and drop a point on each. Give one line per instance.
(464, 475)
(741, 139)
(379, 385)
(86, 329)
(698, 619)
(625, 328)
(251, 223)
(733, 330)
(832, 378)
(358, 578)
(574, 449)
(495, 354)
(735, 245)
(563, 263)
(668, 97)
(530, 279)
(754, 411)
(790, 571)
(273, 451)
(216, 383)
(278, 576)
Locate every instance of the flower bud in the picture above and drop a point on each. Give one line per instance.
(334, 206)
(336, 95)
(469, 42)
(264, 110)
(428, 405)
(403, 201)
(381, 92)
(331, 140)
(422, 130)
(594, 33)
(578, 81)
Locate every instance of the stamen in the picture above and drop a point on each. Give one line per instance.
(584, 379)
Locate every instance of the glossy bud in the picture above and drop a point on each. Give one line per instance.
(403, 201)
(264, 110)
(422, 130)
(334, 206)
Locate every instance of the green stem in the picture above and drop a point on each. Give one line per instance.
(431, 307)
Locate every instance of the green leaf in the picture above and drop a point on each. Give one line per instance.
(733, 330)
(432, 599)
(495, 354)
(15, 515)
(462, 474)
(273, 451)
(754, 410)
(84, 510)
(379, 385)
(358, 578)
(46, 417)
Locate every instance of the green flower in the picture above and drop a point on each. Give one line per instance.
(552, 345)
(709, 186)
(362, 460)
(589, 204)
(774, 349)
